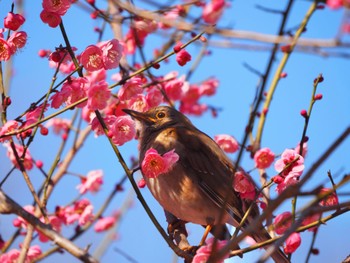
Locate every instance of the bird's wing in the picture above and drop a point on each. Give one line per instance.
(212, 169)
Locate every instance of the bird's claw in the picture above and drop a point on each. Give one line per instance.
(191, 249)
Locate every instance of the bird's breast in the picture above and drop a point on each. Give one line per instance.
(179, 194)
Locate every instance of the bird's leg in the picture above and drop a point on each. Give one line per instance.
(205, 235)
(177, 231)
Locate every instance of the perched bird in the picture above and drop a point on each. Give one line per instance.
(196, 187)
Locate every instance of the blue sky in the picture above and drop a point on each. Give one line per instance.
(136, 235)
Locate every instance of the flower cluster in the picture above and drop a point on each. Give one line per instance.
(53, 10)
(104, 55)
(13, 255)
(290, 167)
(92, 182)
(81, 212)
(17, 39)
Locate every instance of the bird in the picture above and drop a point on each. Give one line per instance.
(199, 185)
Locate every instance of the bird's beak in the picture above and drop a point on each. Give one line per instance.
(140, 116)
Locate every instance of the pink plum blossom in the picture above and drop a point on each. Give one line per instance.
(27, 160)
(72, 91)
(282, 222)
(59, 125)
(182, 57)
(263, 158)
(213, 10)
(10, 257)
(8, 127)
(154, 96)
(13, 21)
(80, 211)
(55, 223)
(58, 98)
(171, 15)
(145, 25)
(96, 126)
(227, 143)
(138, 103)
(289, 167)
(96, 76)
(112, 52)
(334, 4)
(58, 7)
(243, 185)
(208, 87)
(92, 182)
(92, 58)
(131, 88)
(191, 93)
(98, 95)
(297, 149)
(34, 114)
(311, 219)
(104, 223)
(194, 109)
(292, 243)
(130, 42)
(122, 130)
(5, 50)
(173, 85)
(33, 253)
(17, 40)
(204, 252)
(19, 221)
(50, 18)
(86, 216)
(155, 164)
(329, 200)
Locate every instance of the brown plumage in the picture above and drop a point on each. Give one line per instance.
(195, 189)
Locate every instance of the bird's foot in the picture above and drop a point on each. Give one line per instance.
(191, 249)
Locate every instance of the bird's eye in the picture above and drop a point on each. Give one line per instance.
(160, 115)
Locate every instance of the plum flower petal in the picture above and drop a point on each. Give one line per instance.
(98, 95)
(294, 160)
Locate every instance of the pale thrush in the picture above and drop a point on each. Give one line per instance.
(194, 190)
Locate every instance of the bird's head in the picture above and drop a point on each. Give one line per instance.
(158, 118)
